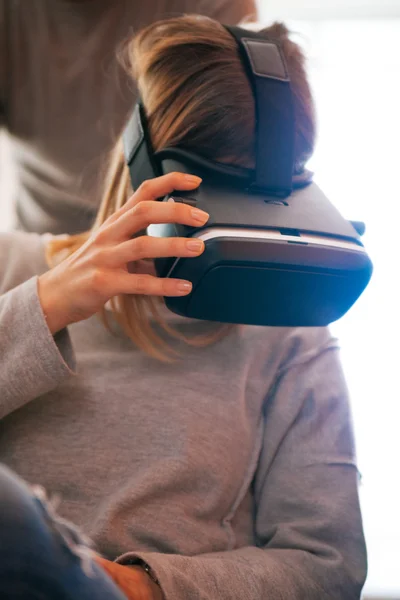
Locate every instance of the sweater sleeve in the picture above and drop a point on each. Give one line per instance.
(307, 523)
(33, 362)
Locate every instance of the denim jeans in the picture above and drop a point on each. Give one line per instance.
(43, 557)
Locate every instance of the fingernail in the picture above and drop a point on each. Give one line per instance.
(194, 245)
(184, 287)
(200, 215)
(193, 179)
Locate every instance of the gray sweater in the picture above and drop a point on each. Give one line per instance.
(231, 472)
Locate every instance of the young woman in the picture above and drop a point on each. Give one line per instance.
(207, 461)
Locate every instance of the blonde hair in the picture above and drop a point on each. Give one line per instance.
(197, 95)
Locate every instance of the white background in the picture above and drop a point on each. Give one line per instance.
(355, 69)
(354, 64)
(328, 9)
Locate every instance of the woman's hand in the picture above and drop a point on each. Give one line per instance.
(79, 287)
(132, 581)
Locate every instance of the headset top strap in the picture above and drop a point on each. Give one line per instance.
(267, 72)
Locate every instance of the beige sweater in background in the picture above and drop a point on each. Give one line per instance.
(64, 99)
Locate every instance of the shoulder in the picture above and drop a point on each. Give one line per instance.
(293, 344)
(279, 349)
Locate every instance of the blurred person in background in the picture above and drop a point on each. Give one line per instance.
(64, 97)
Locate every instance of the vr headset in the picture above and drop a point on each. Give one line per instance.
(277, 252)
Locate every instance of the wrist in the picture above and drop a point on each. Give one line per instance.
(151, 589)
(154, 590)
(52, 305)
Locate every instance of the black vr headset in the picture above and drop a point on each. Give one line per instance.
(277, 252)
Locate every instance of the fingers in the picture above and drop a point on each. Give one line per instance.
(148, 285)
(113, 240)
(142, 215)
(159, 187)
(151, 247)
